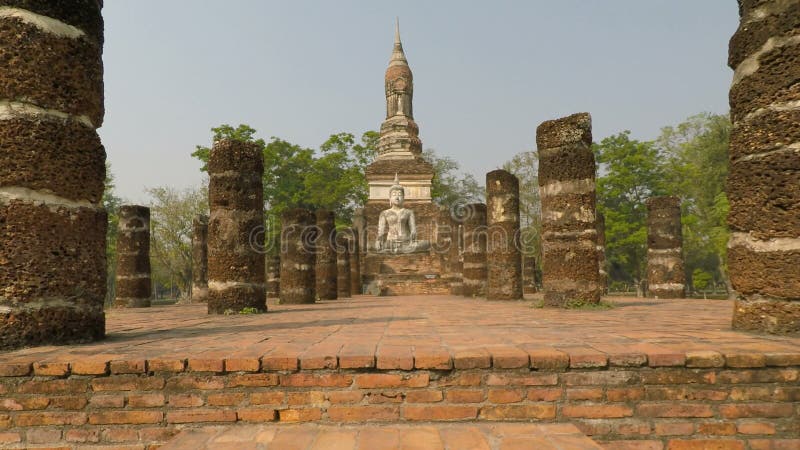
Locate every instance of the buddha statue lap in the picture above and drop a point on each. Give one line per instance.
(397, 228)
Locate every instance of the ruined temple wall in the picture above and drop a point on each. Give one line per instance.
(273, 276)
(665, 269)
(503, 250)
(52, 170)
(236, 228)
(298, 274)
(133, 284)
(473, 272)
(570, 270)
(764, 167)
(326, 270)
(529, 275)
(199, 259)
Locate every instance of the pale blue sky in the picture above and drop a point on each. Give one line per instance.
(485, 73)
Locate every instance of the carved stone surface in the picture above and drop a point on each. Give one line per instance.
(764, 167)
(665, 270)
(199, 259)
(503, 251)
(52, 169)
(567, 187)
(298, 275)
(326, 270)
(473, 272)
(236, 228)
(133, 287)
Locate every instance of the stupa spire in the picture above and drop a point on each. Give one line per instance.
(398, 56)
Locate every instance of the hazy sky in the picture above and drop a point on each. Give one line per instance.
(485, 73)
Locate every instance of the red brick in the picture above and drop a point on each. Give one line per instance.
(146, 400)
(123, 367)
(15, 369)
(705, 444)
(432, 358)
(242, 365)
(5, 421)
(157, 434)
(125, 417)
(385, 397)
(190, 382)
(107, 401)
(704, 359)
(465, 396)
(596, 411)
(10, 438)
(357, 356)
(281, 359)
(82, 435)
(544, 395)
(684, 393)
(24, 403)
(206, 365)
(267, 398)
(532, 379)
(201, 415)
(632, 428)
(49, 418)
(674, 428)
(756, 410)
(344, 396)
(300, 415)
(54, 369)
(257, 415)
(400, 357)
(392, 380)
(226, 399)
(72, 402)
(756, 428)
(678, 376)
(666, 359)
(742, 376)
(627, 359)
(462, 379)
(89, 366)
(509, 358)
(363, 413)
(745, 360)
(440, 412)
(533, 411)
(774, 444)
(67, 386)
(782, 359)
(424, 396)
(624, 394)
(633, 445)
(253, 380)
(474, 358)
(585, 394)
(185, 400)
(128, 383)
(43, 436)
(306, 398)
(316, 380)
(506, 395)
(587, 360)
(120, 435)
(166, 365)
(759, 393)
(548, 360)
(673, 410)
(716, 428)
(603, 378)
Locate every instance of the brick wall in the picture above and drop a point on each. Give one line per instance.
(681, 401)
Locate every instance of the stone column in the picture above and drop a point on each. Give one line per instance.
(355, 263)
(236, 228)
(503, 252)
(360, 227)
(529, 275)
(601, 252)
(52, 169)
(764, 170)
(298, 234)
(200, 259)
(474, 266)
(273, 276)
(134, 287)
(567, 188)
(343, 283)
(326, 269)
(665, 270)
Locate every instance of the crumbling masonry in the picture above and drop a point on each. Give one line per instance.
(474, 266)
(298, 235)
(134, 287)
(326, 269)
(503, 252)
(665, 270)
(200, 259)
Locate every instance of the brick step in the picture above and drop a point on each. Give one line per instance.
(448, 436)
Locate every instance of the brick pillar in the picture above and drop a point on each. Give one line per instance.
(273, 276)
(503, 252)
(326, 270)
(134, 287)
(474, 267)
(343, 284)
(529, 275)
(355, 263)
(601, 251)
(455, 253)
(236, 228)
(52, 168)
(199, 259)
(665, 270)
(567, 189)
(764, 170)
(298, 234)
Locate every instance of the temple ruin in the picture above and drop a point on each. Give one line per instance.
(473, 271)
(298, 273)
(134, 288)
(665, 270)
(326, 269)
(199, 259)
(503, 250)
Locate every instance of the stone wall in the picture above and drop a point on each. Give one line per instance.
(273, 276)
(503, 249)
(52, 169)
(473, 272)
(326, 270)
(133, 284)
(764, 168)
(665, 270)
(236, 228)
(298, 275)
(200, 259)
(567, 187)
(529, 275)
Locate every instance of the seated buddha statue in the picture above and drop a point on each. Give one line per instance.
(397, 228)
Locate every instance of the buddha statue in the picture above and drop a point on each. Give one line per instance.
(397, 228)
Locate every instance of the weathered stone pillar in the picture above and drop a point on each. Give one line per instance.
(355, 264)
(52, 168)
(474, 266)
(601, 252)
(298, 234)
(529, 275)
(273, 276)
(343, 283)
(134, 287)
(236, 228)
(665, 270)
(326, 270)
(567, 188)
(200, 259)
(503, 252)
(360, 228)
(764, 171)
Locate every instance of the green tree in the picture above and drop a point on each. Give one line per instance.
(111, 203)
(450, 186)
(630, 173)
(525, 166)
